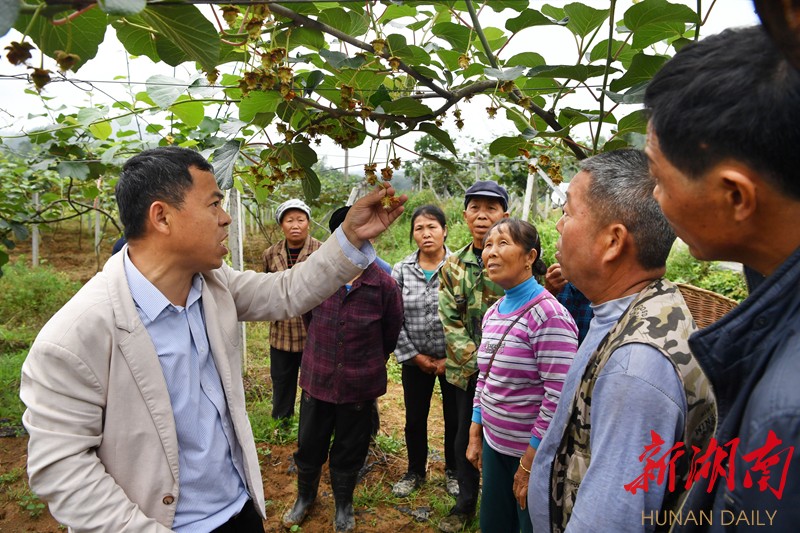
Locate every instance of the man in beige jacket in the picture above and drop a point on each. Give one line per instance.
(135, 406)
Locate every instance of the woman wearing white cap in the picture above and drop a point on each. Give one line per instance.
(287, 337)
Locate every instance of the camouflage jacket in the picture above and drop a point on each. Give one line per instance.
(465, 294)
(658, 317)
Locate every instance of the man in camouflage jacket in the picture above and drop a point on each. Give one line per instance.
(465, 295)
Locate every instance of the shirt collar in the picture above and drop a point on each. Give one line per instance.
(148, 298)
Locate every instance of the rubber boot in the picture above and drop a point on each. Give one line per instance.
(307, 485)
(343, 485)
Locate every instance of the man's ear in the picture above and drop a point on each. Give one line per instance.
(615, 238)
(739, 187)
(158, 216)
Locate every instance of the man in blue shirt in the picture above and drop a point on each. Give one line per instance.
(135, 406)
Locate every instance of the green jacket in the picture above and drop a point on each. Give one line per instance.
(465, 294)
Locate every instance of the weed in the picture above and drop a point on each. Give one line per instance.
(11, 407)
(389, 444)
(31, 503)
(12, 476)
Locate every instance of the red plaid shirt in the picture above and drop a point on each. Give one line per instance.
(350, 337)
(287, 335)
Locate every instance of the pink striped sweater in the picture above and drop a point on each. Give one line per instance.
(518, 399)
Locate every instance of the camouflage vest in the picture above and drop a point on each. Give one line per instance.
(658, 317)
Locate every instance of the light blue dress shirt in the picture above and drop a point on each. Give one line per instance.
(211, 467)
(212, 487)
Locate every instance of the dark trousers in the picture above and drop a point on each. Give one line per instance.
(349, 424)
(500, 512)
(469, 477)
(417, 392)
(245, 521)
(283, 369)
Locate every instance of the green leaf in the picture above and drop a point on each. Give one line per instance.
(9, 9)
(350, 22)
(636, 122)
(583, 19)
(71, 169)
(406, 106)
(188, 29)
(526, 19)
(361, 80)
(101, 130)
(81, 35)
(572, 72)
(446, 163)
(165, 90)
(505, 74)
(508, 146)
(395, 11)
(189, 111)
(526, 59)
(380, 96)
(311, 185)
(654, 33)
(308, 37)
(642, 69)
(515, 5)
(297, 154)
(87, 115)
(634, 95)
(258, 102)
(494, 36)
(339, 60)
(520, 121)
(650, 12)
(449, 58)
(122, 7)
(454, 34)
(314, 78)
(620, 50)
(224, 161)
(440, 135)
(136, 40)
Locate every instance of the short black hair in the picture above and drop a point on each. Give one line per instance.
(428, 210)
(337, 217)
(157, 174)
(524, 234)
(729, 96)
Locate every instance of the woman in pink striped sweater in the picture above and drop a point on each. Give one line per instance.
(529, 341)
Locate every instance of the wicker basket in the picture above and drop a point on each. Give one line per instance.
(706, 306)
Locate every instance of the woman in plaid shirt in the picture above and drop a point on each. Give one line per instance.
(421, 348)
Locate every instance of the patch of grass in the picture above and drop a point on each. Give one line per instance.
(394, 370)
(12, 476)
(32, 295)
(11, 407)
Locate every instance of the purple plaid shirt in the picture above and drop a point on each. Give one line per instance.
(350, 337)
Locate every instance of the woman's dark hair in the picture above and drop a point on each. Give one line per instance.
(157, 174)
(524, 234)
(428, 210)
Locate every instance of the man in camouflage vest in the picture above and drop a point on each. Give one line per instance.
(465, 295)
(634, 382)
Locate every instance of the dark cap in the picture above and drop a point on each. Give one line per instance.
(489, 189)
(337, 217)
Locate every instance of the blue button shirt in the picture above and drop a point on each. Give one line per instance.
(211, 471)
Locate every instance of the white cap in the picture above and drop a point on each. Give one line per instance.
(294, 203)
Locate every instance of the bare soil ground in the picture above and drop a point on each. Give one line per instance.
(376, 509)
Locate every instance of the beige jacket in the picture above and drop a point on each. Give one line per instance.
(103, 450)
